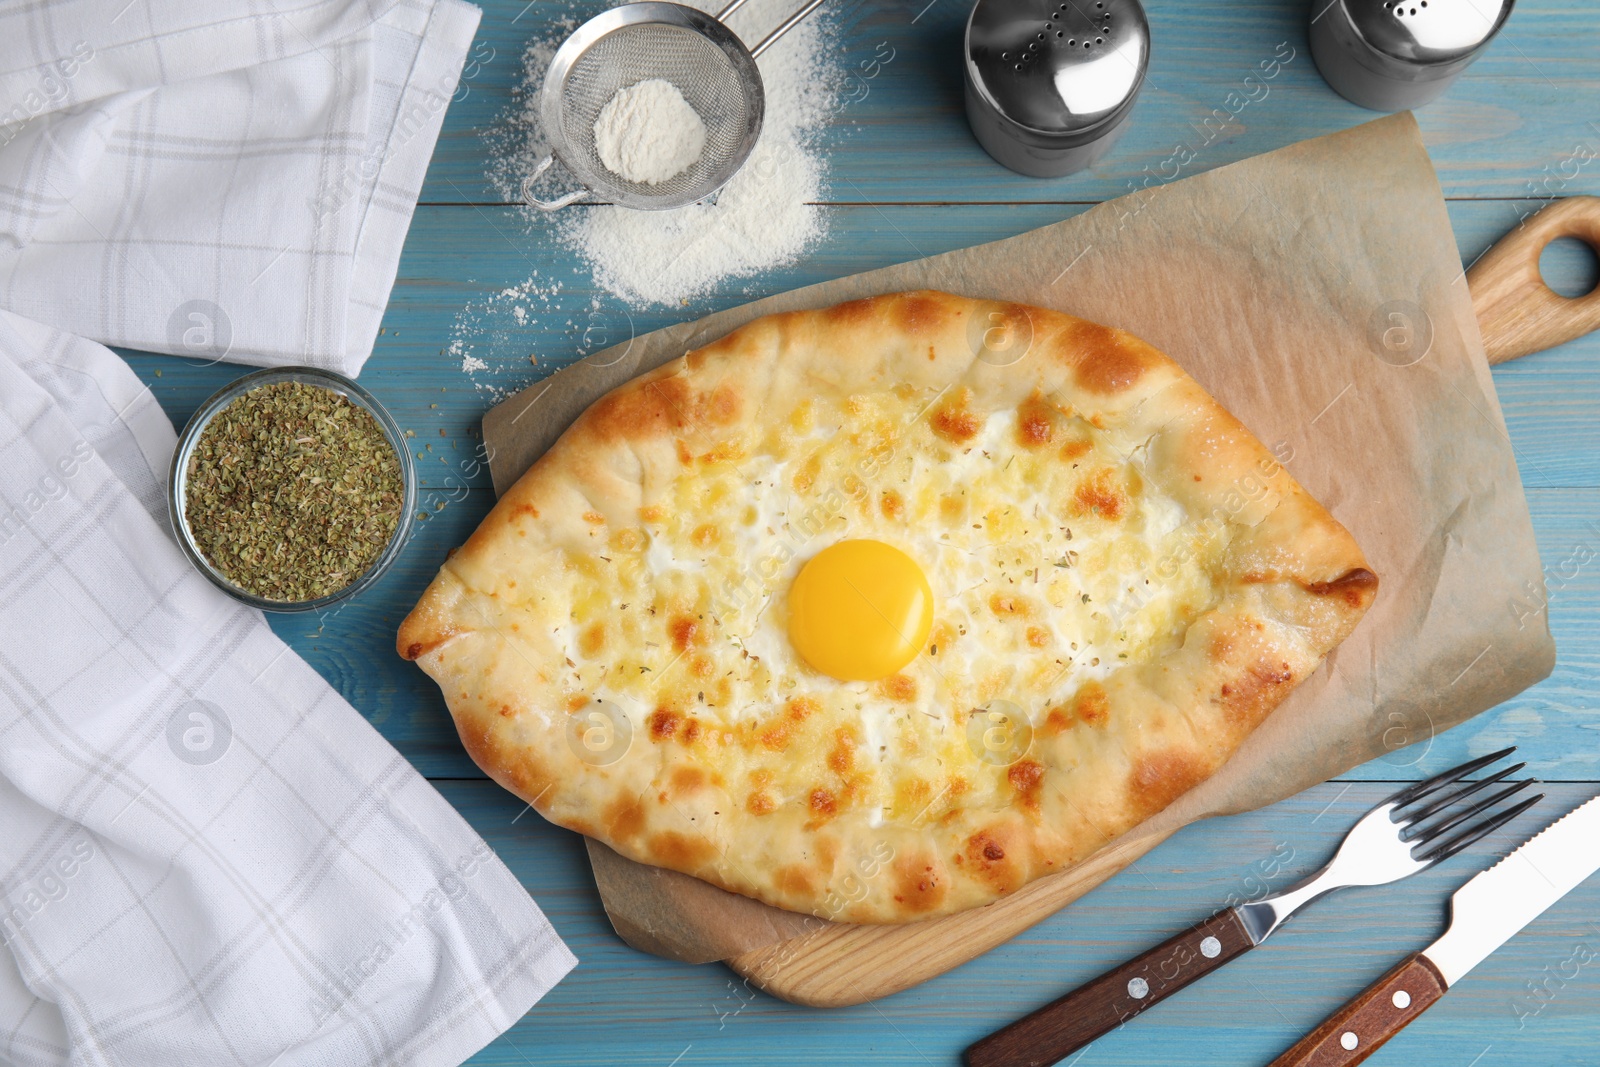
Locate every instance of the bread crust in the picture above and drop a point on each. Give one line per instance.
(789, 801)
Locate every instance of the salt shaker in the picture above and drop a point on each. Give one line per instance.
(1394, 54)
(1050, 84)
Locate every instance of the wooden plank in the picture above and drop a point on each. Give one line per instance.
(1503, 127)
(459, 256)
(1555, 722)
(621, 1007)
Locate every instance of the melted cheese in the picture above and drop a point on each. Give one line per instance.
(1053, 563)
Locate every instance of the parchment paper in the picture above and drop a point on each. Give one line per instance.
(1317, 292)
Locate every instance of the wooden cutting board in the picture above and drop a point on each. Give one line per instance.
(840, 965)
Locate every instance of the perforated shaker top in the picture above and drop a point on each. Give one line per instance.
(1426, 31)
(1058, 66)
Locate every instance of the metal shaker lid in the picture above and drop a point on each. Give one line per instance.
(1427, 31)
(1066, 68)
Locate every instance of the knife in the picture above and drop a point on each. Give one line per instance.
(1484, 914)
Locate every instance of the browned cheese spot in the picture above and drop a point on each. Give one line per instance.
(1099, 494)
(592, 641)
(952, 420)
(664, 723)
(776, 736)
(892, 503)
(684, 630)
(1026, 777)
(1036, 425)
(1005, 605)
(822, 803)
(705, 535)
(1090, 705)
(842, 756)
(1075, 449)
(806, 476)
(760, 803)
(1057, 721)
(898, 687)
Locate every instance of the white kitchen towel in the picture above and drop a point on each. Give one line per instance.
(218, 178)
(207, 857)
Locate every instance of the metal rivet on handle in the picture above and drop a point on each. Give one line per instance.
(1348, 1040)
(1211, 948)
(1401, 998)
(1138, 988)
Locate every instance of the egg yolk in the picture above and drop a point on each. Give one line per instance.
(860, 610)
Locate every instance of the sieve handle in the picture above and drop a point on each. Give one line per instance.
(788, 24)
(565, 200)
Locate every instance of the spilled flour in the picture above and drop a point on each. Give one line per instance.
(765, 217)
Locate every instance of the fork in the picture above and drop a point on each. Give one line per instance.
(1410, 831)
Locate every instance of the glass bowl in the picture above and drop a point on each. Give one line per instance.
(177, 481)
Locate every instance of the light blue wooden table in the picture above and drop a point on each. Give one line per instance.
(908, 181)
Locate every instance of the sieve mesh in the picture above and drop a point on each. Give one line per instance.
(725, 97)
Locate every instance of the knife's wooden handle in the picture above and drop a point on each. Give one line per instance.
(1355, 1031)
(1100, 1006)
(1517, 312)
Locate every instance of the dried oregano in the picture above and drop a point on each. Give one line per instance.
(293, 491)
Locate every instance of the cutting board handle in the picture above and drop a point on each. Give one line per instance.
(1517, 312)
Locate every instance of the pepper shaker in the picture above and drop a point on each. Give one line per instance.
(1050, 84)
(1388, 55)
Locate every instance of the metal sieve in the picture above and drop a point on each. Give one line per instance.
(692, 50)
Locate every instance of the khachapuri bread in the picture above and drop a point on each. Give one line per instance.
(881, 611)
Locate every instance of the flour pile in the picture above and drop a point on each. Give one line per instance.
(765, 217)
(648, 133)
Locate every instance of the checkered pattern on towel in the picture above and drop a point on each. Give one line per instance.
(207, 856)
(231, 182)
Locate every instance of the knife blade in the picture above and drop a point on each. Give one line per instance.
(1484, 914)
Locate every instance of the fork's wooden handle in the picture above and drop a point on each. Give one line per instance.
(1355, 1031)
(1517, 312)
(1102, 1005)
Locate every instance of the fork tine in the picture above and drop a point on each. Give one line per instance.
(1443, 852)
(1427, 811)
(1428, 785)
(1427, 835)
